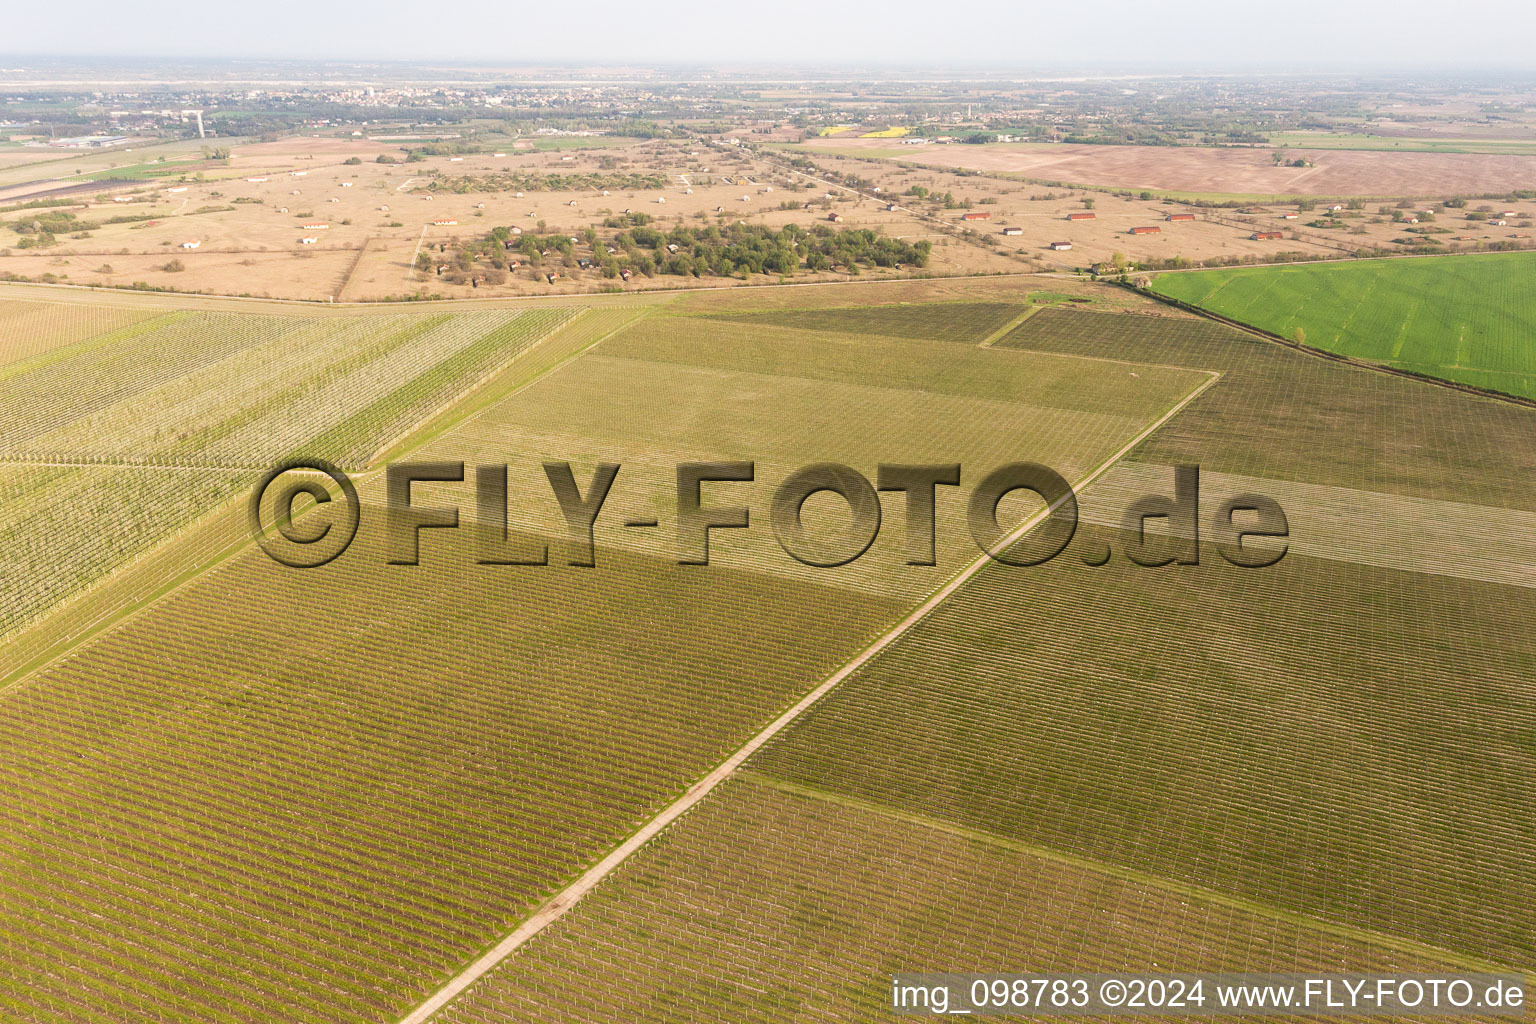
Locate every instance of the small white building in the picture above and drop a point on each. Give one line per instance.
(308, 241)
(256, 181)
(1061, 246)
(190, 245)
(1013, 231)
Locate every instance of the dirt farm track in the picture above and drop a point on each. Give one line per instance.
(1240, 171)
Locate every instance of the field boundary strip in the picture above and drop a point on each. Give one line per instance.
(556, 907)
(428, 431)
(179, 299)
(1008, 328)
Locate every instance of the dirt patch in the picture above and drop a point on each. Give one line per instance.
(1240, 171)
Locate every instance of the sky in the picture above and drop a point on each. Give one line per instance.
(1179, 35)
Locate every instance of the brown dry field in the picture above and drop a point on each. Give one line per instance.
(1214, 233)
(248, 246)
(252, 248)
(1239, 171)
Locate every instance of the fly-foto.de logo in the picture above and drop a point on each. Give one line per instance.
(317, 534)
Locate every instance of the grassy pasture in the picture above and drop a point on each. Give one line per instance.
(311, 836)
(1463, 318)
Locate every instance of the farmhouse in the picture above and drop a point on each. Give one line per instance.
(1061, 246)
(444, 223)
(122, 199)
(1265, 236)
(1081, 216)
(190, 245)
(179, 188)
(976, 216)
(346, 184)
(835, 218)
(298, 174)
(1290, 216)
(255, 180)
(1146, 231)
(314, 227)
(1181, 216)
(1013, 231)
(1336, 208)
(308, 241)
(1498, 222)
(890, 207)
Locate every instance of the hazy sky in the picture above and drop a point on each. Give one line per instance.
(1170, 34)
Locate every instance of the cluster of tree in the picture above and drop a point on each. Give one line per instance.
(530, 181)
(946, 198)
(635, 129)
(731, 250)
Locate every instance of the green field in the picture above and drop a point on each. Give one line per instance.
(1470, 319)
(1349, 140)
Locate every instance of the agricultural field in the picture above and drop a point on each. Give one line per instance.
(1109, 767)
(139, 421)
(967, 322)
(529, 743)
(214, 857)
(1468, 319)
